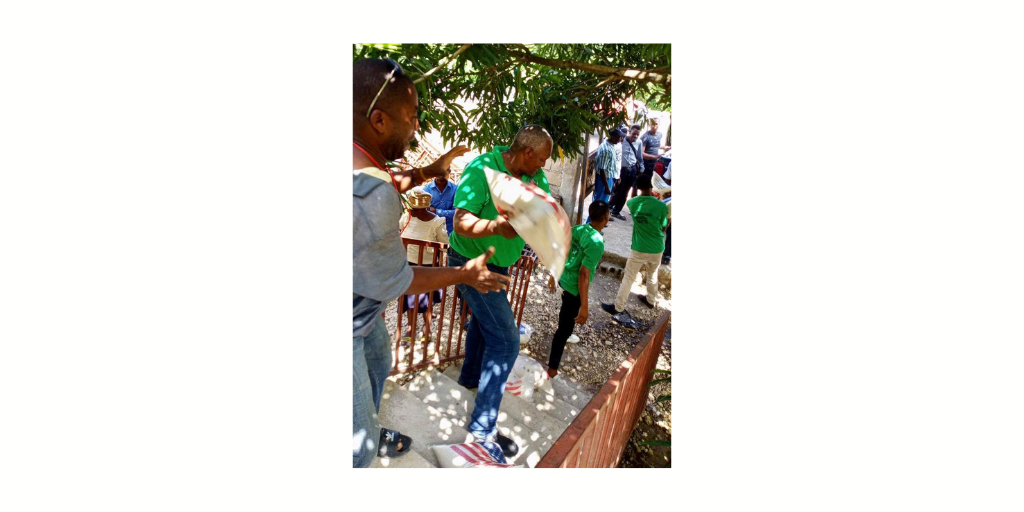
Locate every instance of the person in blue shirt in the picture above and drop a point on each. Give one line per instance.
(442, 202)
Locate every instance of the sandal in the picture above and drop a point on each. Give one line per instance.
(389, 441)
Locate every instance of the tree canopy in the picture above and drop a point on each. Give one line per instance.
(570, 89)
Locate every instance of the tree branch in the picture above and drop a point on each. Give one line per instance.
(443, 63)
(494, 69)
(654, 76)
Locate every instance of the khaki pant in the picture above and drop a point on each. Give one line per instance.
(637, 261)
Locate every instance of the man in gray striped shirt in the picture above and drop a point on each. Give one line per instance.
(631, 155)
(652, 144)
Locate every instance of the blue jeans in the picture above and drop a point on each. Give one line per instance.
(602, 191)
(492, 345)
(371, 363)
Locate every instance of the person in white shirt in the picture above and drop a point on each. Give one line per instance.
(420, 224)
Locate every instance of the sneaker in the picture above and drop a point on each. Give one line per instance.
(610, 308)
(573, 339)
(643, 299)
(665, 260)
(619, 216)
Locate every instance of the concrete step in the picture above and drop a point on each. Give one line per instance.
(409, 460)
(569, 391)
(533, 431)
(549, 398)
(403, 411)
(533, 415)
(550, 404)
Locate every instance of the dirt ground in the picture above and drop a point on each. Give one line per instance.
(603, 346)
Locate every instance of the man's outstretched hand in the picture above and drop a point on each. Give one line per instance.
(482, 279)
(441, 167)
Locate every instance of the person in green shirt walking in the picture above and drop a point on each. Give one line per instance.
(492, 340)
(580, 267)
(650, 218)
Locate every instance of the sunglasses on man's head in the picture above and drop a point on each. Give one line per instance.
(390, 76)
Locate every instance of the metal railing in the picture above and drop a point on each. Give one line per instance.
(447, 328)
(598, 435)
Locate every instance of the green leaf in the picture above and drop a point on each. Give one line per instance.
(663, 398)
(659, 381)
(660, 371)
(562, 100)
(657, 442)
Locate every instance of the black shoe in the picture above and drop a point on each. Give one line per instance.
(626, 320)
(610, 308)
(619, 216)
(389, 441)
(643, 298)
(623, 318)
(665, 260)
(611, 219)
(508, 446)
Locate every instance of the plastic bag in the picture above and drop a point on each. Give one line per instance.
(536, 217)
(514, 384)
(471, 455)
(525, 366)
(525, 333)
(660, 188)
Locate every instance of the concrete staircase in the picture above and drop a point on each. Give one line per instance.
(434, 409)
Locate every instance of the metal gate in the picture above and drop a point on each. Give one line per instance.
(447, 324)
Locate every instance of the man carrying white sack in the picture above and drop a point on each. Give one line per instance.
(492, 341)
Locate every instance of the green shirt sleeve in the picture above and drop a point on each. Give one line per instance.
(593, 250)
(473, 192)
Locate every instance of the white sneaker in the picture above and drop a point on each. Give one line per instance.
(573, 339)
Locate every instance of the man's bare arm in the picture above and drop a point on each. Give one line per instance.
(584, 287)
(474, 273)
(417, 176)
(470, 226)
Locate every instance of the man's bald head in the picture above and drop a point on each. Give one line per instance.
(532, 147)
(532, 136)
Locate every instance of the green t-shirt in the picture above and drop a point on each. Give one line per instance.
(586, 250)
(649, 217)
(474, 196)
